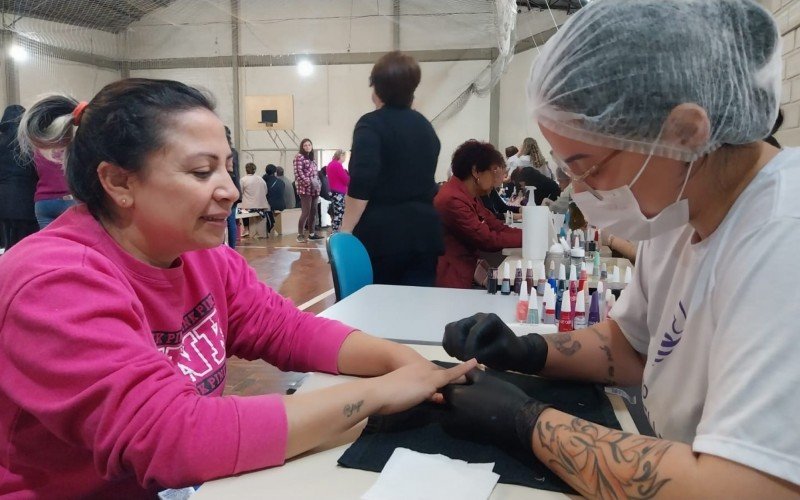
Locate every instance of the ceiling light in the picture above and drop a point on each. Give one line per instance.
(18, 53)
(305, 68)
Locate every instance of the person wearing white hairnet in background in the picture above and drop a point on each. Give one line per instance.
(658, 108)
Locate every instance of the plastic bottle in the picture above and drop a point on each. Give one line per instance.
(492, 283)
(529, 277)
(518, 277)
(541, 282)
(579, 317)
(610, 301)
(549, 307)
(533, 311)
(505, 287)
(594, 310)
(565, 319)
(522, 303)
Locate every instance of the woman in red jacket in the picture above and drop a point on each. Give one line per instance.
(470, 227)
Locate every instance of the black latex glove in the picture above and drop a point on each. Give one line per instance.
(455, 336)
(489, 407)
(488, 339)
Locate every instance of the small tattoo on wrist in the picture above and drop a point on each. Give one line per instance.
(350, 409)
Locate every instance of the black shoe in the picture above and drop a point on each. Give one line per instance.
(315, 236)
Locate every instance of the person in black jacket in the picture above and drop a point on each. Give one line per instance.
(17, 183)
(275, 189)
(545, 187)
(389, 204)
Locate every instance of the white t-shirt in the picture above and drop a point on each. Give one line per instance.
(516, 162)
(254, 192)
(720, 325)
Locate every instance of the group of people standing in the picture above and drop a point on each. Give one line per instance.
(330, 183)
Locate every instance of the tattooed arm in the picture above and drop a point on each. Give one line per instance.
(317, 416)
(600, 353)
(605, 463)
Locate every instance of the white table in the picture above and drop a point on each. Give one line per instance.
(418, 315)
(315, 475)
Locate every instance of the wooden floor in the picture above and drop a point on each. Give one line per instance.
(299, 271)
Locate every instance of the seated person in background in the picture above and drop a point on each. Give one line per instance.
(289, 195)
(468, 225)
(530, 155)
(495, 204)
(545, 188)
(275, 189)
(254, 196)
(561, 204)
(508, 186)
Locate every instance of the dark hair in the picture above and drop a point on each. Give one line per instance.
(511, 151)
(271, 169)
(228, 136)
(279, 171)
(472, 153)
(395, 77)
(310, 154)
(250, 168)
(123, 124)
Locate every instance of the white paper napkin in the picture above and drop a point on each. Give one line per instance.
(409, 475)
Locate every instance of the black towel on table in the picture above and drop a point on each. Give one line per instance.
(420, 429)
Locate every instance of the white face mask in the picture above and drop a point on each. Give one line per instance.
(618, 212)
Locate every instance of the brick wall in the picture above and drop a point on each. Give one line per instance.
(787, 13)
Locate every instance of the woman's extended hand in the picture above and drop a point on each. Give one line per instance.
(412, 384)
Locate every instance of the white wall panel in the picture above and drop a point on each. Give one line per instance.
(515, 121)
(43, 75)
(281, 27)
(91, 41)
(186, 28)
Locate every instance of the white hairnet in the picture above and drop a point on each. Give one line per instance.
(615, 70)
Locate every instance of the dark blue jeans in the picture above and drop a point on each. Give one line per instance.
(233, 229)
(48, 210)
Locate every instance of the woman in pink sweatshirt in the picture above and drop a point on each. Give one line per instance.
(339, 179)
(117, 319)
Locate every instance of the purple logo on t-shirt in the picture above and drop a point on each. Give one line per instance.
(671, 338)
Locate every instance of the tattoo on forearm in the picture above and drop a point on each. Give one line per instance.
(610, 359)
(564, 343)
(609, 380)
(352, 408)
(603, 463)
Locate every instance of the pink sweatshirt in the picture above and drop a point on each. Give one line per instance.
(112, 371)
(338, 178)
(52, 183)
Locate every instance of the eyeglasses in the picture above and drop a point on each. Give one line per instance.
(591, 170)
